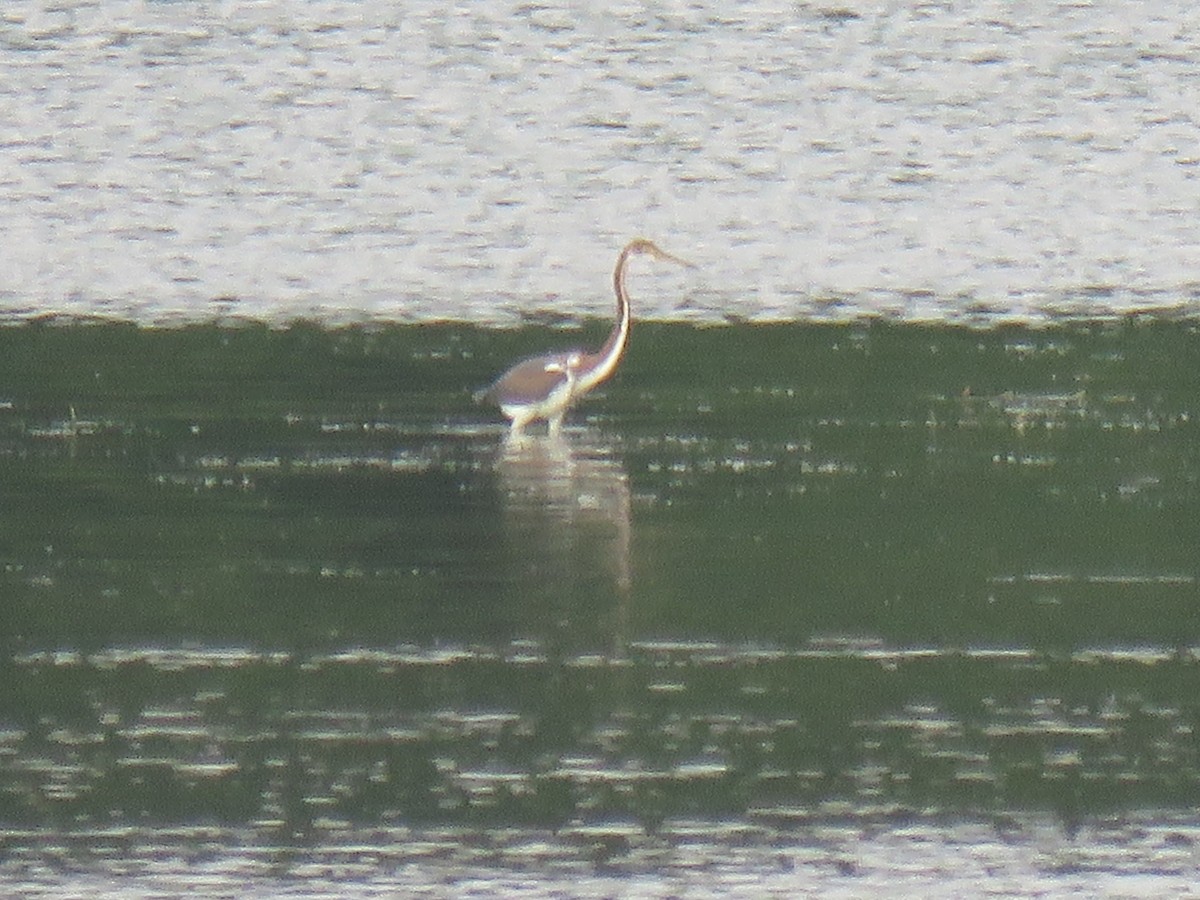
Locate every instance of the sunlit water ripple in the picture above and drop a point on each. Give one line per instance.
(665, 787)
(981, 162)
(833, 611)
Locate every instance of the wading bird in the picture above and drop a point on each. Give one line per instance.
(545, 387)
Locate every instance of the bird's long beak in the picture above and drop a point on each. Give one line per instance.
(669, 257)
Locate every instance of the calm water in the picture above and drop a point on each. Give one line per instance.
(847, 607)
(485, 161)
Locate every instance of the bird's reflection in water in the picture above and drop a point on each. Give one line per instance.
(566, 509)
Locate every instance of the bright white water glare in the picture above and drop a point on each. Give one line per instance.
(174, 161)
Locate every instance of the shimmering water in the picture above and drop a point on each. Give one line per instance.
(844, 609)
(485, 161)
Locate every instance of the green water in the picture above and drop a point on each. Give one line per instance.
(294, 583)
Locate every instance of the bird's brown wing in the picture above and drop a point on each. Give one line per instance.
(529, 381)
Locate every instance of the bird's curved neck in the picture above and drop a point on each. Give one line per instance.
(605, 360)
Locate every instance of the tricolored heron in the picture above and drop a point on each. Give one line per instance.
(545, 387)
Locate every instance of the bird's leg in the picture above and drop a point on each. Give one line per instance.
(555, 425)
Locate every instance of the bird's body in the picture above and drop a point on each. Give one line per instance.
(545, 387)
(551, 378)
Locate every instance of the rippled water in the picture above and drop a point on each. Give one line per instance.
(484, 162)
(848, 608)
(845, 609)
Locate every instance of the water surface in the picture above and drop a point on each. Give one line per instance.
(285, 614)
(841, 604)
(485, 162)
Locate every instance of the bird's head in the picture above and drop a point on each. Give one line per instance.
(651, 249)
